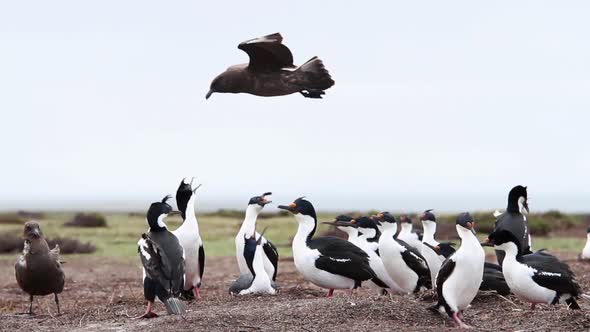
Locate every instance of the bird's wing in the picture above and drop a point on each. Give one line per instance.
(249, 251)
(267, 53)
(447, 267)
(415, 261)
(492, 266)
(550, 272)
(273, 256)
(155, 264)
(493, 279)
(446, 249)
(342, 258)
(201, 260)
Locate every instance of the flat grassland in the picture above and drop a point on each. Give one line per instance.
(104, 292)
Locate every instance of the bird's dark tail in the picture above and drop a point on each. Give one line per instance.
(174, 306)
(316, 78)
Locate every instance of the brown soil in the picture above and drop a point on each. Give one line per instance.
(103, 295)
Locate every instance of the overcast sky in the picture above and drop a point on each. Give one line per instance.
(437, 104)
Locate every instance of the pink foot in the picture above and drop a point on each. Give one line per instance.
(330, 293)
(460, 322)
(197, 293)
(148, 312)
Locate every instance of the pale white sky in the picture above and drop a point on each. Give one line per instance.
(436, 104)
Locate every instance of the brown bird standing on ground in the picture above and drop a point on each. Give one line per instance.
(271, 72)
(38, 269)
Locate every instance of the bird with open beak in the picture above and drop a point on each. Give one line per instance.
(38, 270)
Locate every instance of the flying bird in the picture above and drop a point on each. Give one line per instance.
(38, 270)
(271, 72)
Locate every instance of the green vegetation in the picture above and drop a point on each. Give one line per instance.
(120, 237)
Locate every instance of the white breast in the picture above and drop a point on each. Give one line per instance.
(304, 259)
(190, 240)
(462, 285)
(586, 250)
(395, 266)
(519, 278)
(433, 261)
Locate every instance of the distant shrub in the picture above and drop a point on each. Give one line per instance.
(539, 226)
(10, 242)
(71, 246)
(239, 214)
(31, 214)
(87, 220)
(11, 218)
(13, 243)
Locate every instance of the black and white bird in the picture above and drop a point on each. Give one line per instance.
(404, 264)
(585, 255)
(461, 274)
(162, 257)
(354, 227)
(271, 72)
(38, 270)
(327, 262)
(270, 255)
(407, 235)
(430, 248)
(537, 277)
(254, 255)
(190, 238)
(514, 220)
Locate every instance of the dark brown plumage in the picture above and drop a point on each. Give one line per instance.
(38, 270)
(271, 72)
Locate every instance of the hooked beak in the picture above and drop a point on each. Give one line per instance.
(199, 186)
(209, 94)
(487, 243)
(35, 233)
(291, 208)
(172, 213)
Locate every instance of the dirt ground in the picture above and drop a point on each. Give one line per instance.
(102, 295)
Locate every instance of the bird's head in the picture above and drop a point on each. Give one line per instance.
(302, 209)
(518, 200)
(157, 212)
(258, 202)
(32, 230)
(366, 226)
(228, 81)
(386, 219)
(503, 240)
(343, 223)
(465, 223)
(184, 193)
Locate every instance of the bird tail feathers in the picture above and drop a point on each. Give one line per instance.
(174, 306)
(316, 75)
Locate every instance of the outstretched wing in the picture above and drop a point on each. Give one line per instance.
(342, 258)
(267, 53)
(273, 256)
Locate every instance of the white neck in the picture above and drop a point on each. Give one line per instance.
(406, 228)
(189, 215)
(368, 233)
(389, 230)
(429, 231)
(510, 250)
(352, 232)
(521, 205)
(468, 239)
(249, 223)
(306, 226)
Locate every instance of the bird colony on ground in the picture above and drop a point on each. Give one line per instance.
(396, 262)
